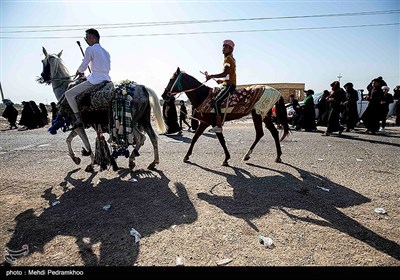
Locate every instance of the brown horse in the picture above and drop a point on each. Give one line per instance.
(257, 100)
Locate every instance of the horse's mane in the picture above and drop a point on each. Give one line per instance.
(62, 69)
(197, 96)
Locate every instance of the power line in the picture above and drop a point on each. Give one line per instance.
(211, 32)
(165, 23)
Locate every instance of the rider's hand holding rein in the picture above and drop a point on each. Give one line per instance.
(79, 74)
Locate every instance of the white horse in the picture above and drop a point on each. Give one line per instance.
(55, 72)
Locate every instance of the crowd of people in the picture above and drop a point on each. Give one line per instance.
(32, 115)
(338, 108)
(170, 115)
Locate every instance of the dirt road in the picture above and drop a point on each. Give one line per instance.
(318, 206)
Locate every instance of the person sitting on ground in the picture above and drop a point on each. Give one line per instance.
(99, 60)
(28, 119)
(10, 113)
(228, 82)
(43, 113)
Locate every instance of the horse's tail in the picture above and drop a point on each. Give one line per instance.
(155, 105)
(282, 117)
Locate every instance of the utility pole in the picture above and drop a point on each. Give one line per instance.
(339, 76)
(1, 90)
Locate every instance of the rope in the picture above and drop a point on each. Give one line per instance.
(186, 91)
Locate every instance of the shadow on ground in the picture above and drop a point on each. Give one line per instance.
(253, 197)
(147, 205)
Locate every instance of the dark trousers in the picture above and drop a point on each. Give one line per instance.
(183, 119)
(222, 94)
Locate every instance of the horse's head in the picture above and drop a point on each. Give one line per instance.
(173, 84)
(50, 63)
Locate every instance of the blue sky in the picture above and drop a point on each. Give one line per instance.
(314, 57)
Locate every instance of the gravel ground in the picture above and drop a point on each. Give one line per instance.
(318, 206)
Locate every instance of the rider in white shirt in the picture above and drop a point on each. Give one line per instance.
(99, 60)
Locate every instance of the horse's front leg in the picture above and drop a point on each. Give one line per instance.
(82, 134)
(199, 131)
(70, 137)
(221, 139)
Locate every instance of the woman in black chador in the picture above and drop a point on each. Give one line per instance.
(335, 99)
(171, 116)
(350, 114)
(372, 114)
(10, 113)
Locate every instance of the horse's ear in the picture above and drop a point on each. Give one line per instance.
(44, 51)
(178, 70)
(59, 54)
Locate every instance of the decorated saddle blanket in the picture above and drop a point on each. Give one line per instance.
(259, 97)
(121, 122)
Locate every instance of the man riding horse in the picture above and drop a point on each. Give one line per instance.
(99, 60)
(228, 82)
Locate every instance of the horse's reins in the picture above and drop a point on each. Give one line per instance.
(185, 91)
(227, 101)
(193, 89)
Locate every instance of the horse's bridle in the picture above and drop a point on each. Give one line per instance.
(178, 84)
(55, 71)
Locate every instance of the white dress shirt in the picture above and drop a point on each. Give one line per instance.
(99, 61)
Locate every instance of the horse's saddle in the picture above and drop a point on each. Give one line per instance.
(94, 103)
(241, 101)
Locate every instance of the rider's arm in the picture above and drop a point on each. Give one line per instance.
(85, 61)
(220, 75)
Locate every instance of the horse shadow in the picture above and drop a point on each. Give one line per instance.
(181, 138)
(373, 141)
(146, 204)
(253, 197)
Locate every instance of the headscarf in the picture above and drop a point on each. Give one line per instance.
(229, 43)
(7, 102)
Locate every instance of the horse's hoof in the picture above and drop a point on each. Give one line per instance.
(245, 158)
(152, 166)
(76, 160)
(115, 167)
(85, 153)
(132, 164)
(278, 160)
(225, 163)
(89, 168)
